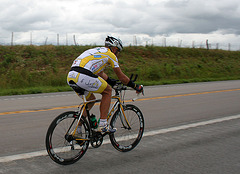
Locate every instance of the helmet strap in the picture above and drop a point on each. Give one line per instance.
(114, 52)
(111, 49)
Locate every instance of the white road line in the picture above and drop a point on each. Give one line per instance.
(149, 133)
(192, 125)
(44, 96)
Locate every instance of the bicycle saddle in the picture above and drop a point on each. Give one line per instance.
(76, 88)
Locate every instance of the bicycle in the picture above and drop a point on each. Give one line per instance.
(64, 148)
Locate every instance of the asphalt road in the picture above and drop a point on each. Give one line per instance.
(189, 128)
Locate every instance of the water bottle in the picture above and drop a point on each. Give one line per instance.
(93, 121)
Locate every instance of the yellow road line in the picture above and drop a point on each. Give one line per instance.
(143, 99)
(181, 95)
(27, 111)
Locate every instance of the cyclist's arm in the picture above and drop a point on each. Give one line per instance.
(121, 76)
(103, 75)
(126, 81)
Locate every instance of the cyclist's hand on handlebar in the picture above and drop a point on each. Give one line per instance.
(111, 82)
(139, 89)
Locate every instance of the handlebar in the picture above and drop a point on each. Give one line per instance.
(119, 87)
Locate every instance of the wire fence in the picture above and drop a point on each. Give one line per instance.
(20, 38)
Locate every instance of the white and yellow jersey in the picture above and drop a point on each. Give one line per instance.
(96, 59)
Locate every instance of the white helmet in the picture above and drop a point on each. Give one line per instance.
(113, 42)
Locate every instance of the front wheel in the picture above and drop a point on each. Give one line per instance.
(61, 145)
(129, 132)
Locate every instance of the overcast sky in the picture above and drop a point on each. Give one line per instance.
(149, 21)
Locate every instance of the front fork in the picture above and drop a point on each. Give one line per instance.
(123, 118)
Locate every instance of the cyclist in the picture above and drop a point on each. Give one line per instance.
(87, 73)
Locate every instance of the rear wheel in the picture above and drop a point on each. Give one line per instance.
(61, 145)
(127, 135)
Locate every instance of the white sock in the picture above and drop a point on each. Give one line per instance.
(103, 122)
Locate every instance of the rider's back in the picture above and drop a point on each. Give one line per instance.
(96, 59)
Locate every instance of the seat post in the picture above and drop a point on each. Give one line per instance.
(84, 98)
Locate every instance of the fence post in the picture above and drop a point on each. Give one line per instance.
(74, 39)
(135, 40)
(46, 40)
(179, 43)
(207, 44)
(30, 38)
(66, 39)
(164, 42)
(12, 40)
(57, 39)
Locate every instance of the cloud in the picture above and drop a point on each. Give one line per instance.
(25, 16)
(204, 16)
(148, 18)
(139, 17)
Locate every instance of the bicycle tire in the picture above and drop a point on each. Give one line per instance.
(61, 147)
(125, 139)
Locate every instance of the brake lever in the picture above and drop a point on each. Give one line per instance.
(134, 99)
(136, 76)
(142, 92)
(131, 77)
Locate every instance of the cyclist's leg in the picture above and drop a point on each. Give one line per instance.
(104, 108)
(75, 76)
(101, 87)
(95, 84)
(105, 103)
(89, 97)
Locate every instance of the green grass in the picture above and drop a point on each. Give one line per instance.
(34, 90)
(38, 69)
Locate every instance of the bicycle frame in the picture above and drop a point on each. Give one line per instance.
(117, 105)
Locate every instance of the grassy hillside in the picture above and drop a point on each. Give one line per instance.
(35, 69)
